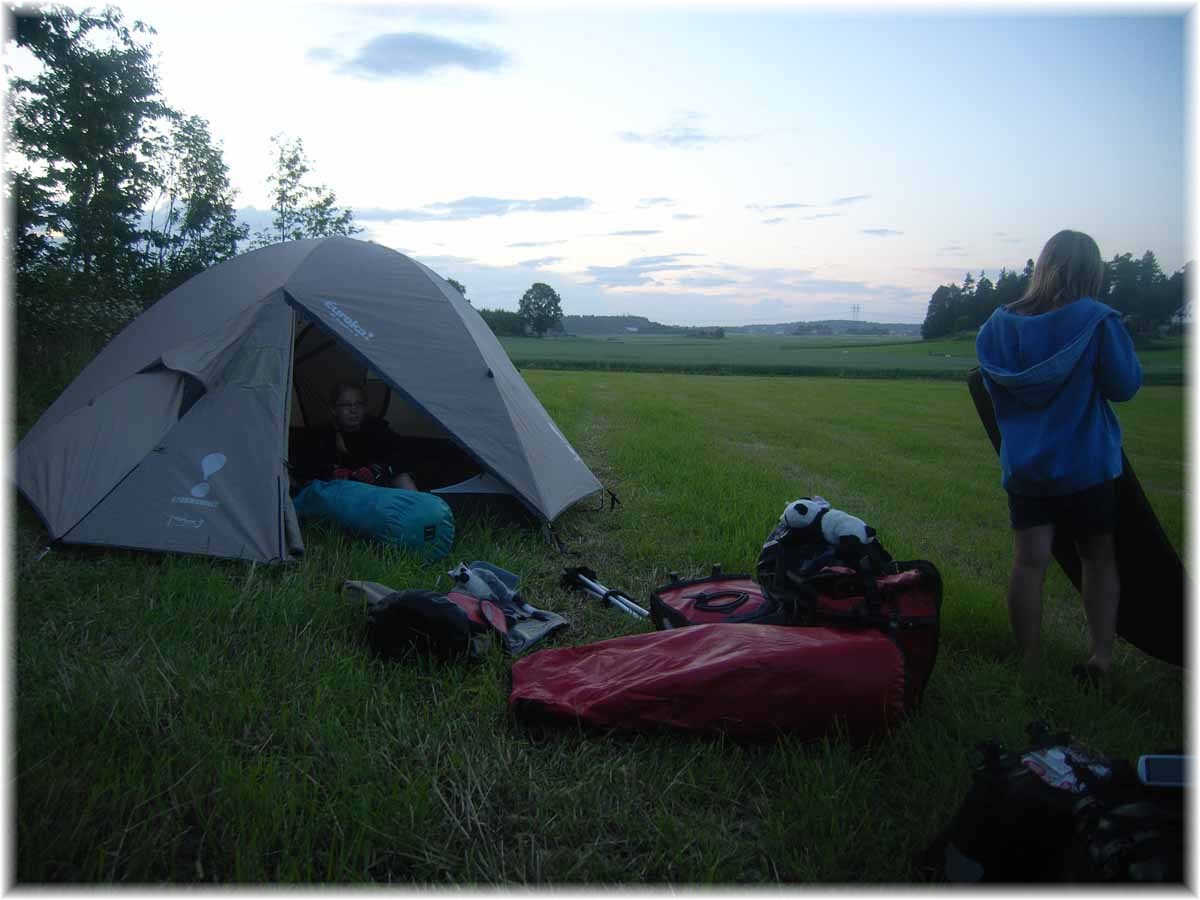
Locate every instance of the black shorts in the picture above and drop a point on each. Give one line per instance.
(1092, 511)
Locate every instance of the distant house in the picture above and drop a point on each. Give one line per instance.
(632, 329)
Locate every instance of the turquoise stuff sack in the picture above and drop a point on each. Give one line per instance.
(416, 521)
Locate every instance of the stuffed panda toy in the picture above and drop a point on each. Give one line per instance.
(813, 519)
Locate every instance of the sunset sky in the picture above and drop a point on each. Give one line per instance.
(701, 163)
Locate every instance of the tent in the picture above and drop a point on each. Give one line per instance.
(176, 436)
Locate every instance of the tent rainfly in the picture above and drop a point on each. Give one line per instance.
(176, 436)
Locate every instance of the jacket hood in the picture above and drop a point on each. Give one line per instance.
(1033, 356)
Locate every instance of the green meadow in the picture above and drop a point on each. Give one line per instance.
(871, 356)
(185, 720)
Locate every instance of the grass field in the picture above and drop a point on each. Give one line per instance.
(184, 720)
(843, 355)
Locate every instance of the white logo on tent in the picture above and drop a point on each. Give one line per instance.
(209, 466)
(183, 522)
(347, 322)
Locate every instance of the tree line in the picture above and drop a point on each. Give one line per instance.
(1148, 300)
(119, 197)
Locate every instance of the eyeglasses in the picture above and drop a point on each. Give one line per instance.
(357, 404)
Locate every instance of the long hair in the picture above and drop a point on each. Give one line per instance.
(1068, 268)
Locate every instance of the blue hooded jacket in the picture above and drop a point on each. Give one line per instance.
(1050, 377)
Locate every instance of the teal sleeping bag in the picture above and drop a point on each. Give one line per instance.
(416, 521)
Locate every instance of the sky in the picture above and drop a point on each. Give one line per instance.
(704, 164)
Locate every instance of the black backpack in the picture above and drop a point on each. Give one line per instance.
(429, 622)
(791, 553)
(1059, 812)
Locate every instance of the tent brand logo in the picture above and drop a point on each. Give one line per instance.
(183, 522)
(347, 322)
(209, 466)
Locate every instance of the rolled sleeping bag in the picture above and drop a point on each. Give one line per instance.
(742, 680)
(416, 521)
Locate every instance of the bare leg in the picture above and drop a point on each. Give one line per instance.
(1031, 556)
(1101, 595)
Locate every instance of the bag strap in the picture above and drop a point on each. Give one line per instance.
(709, 602)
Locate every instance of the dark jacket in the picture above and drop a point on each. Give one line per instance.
(316, 455)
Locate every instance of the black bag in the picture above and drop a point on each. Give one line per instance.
(717, 598)
(1058, 811)
(804, 551)
(426, 621)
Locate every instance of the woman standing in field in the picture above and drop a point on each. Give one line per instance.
(1051, 361)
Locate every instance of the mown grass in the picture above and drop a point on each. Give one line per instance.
(845, 356)
(185, 720)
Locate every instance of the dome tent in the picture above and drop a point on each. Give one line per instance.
(175, 437)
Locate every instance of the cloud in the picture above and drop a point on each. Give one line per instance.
(881, 232)
(538, 263)
(952, 250)
(775, 221)
(321, 55)
(535, 243)
(816, 216)
(651, 261)
(758, 295)
(655, 201)
(632, 233)
(832, 286)
(703, 281)
(682, 217)
(474, 208)
(760, 207)
(639, 271)
(680, 133)
(257, 219)
(413, 54)
(854, 198)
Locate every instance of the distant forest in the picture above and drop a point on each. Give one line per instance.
(1148, 299)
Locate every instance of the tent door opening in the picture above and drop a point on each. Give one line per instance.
(439, 465)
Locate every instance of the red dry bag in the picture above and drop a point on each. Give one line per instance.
(742, 680)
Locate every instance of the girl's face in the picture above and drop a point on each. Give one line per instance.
(349, 409)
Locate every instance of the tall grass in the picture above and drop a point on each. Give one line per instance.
(185, 720)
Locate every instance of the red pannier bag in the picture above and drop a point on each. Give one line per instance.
(742, 680)
(718, 598)
(903, 601)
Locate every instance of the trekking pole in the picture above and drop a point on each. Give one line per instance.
(583, 577)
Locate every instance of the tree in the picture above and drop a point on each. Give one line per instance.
(85, 127)
(944, 307)
(983, 302)
(1122, 291)
(458, 286)
(1009, 287)
(540, 309)
(301, 210)
(192, 224)
(504, 322)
